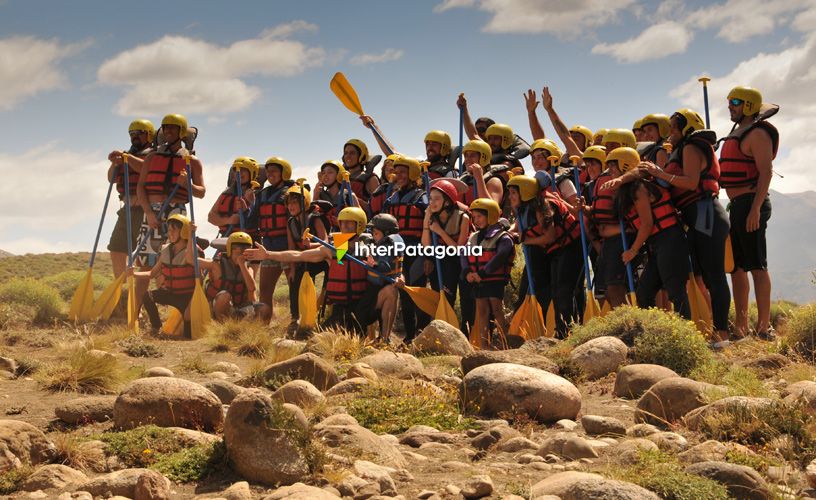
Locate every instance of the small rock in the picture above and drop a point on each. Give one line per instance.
(362, 370)
(670, 399)
(216, 375)
(300, 491)
(582, 485)
(226, 367)
(597, 425)
(453, 489)
(394, 364)
(349, 385)
(225, 391)
(712, 451)
(8, 364)
(568, 446)
(159, 371)
(741, 481)
(121, 482)
(515, 444)
(810, 473)
(694, 419)
(670, 442)
(633, 380)
(441, 338)
(416, 439)
(515, 356)
(307, 366)
(641, 430)
(299, 393)
(53, 476)
(21, 442)
(167, 402)
(238, 491)
(477, 487)
(152, 486)
(600, 356)
(566, 424)
(86, 410)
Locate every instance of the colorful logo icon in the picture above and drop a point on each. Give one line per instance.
(341, 244)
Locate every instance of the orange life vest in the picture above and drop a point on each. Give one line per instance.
(489, 249)
(133, 175)
(230, 280)
(603, 201)
(664, 215)
(567, 228)
(410, 213)
(346, 282)
(227, 205)
(738, 169)
(707, 185)
(179, 276)
(272, 212)
(162, 174)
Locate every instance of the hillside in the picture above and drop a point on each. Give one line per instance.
(3, 254)
(47, 264)
(792, 246)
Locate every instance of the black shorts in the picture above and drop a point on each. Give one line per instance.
(490, 289)
(611, 269)
(118, 238)
(750, 249)
(365, 308)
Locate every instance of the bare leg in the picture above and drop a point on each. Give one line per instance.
(762, 292)
(119, 263)
(222, 305)
(263, 313)
(483, 315)
(741, 289)
(497, 307)
(615, 295)
(269, 279)
(387, 301)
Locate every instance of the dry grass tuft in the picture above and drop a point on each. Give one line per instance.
(86, 372)
(75, 452)
(339, 345)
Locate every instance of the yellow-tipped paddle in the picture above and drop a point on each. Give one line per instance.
(550, 322)
(528, 320)
(307, 295)
(173, 323)
(200, 315)
(729, 255)
(346, 93)
(592, 309)
(108, 300)
(606, 308)
(631, 296)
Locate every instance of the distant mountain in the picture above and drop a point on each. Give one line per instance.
(3, 254)
(792, 246)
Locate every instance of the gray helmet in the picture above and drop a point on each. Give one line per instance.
(386, 223)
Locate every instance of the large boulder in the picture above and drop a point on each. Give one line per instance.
(670, 399)
(633, 380)
(394, 364)
(307, 366)
(122, 483)
(523, 357)
(501, 387)
(299, 393)
(264, 440)
(804, 391)
(167, 402)
(713, 451)
(694, 419)
(355, 441)
(583, 485)
(53, 476)
(741, 481)
(224, 390)
(21, 443)
(86, 410)
(600, 356)
(441, 338)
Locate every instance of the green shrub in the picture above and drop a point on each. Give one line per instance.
(192, 464)
(67, 282)
(16, 315)
(44, 299)
(625, 322)
(394, 409)
(512, 292)
(135, 347)
(801, 330)
(781, 311)
(11, 479)
(663, 474)
(738, 380)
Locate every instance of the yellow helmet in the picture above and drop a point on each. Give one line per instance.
(622, 136)
(689, 120)
(286, 167)
(178, 120)
(239, 238)
(526, 185)
(361, 147)
(490, 206)
(355, 214)
(638, 125)
(143, 126)
(503, 131)
(296, 190)
(185, 224)
(596, 153)
(411, 164)
(442, 138)
(751, 98)
(599, 135)
(337, 165)
(660, 120)
(248, 163)
(547, 145)
(392, 157)
(580, 129)
(481, 147)
(627, 158)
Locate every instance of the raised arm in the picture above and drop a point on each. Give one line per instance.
(535, 126)
(558, 125)
(385, 145)
(470, 127)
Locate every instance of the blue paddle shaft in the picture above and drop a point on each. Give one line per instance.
(461, 139)
(705, 102)
(101, 221)
(127, 212)
(380, 139)
(354, 259)
(192, 218)
(526, 258)
(240, 191)
(628, 264)
(583, 231)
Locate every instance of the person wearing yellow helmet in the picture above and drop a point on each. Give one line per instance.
(656, 128)
(329, 188)
(225, 211)
(648, 210)
(383, 191)
(174, 272)
(489, 272)
(355, 161)
(541, 152)
(523, 194)
(575, 139)
(598, 137)
(439, 155)
(746, 163)
(505, 140)
(230, 286)
(141, 139)
(477, 155)
(408, 204)
(637, 129)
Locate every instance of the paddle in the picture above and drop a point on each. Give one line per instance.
(554, 162)
(82, 300)
(461, 139)
(444, 311)
(200, 314)
(704, 80)
(528, 319)
(132, 313)
(348, 96)
(592, 309)
(307, 295)
(629, 276)
(239, 189)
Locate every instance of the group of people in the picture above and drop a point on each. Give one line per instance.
(642, 204)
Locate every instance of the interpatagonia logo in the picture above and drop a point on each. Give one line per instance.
(340, 241)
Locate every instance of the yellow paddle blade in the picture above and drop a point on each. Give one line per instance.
(551, 320)
(536, 327)
(307, 302)
(173, 322)
(519, 321)
(475, 338)
(700, 314)
(592, 309)
(426, 299)
(632, 299)
(132, 316)
(729, 255)
(82, 301)
(107, 301)
(606, 308)
(200, 314)
(445, 312)
(346, 93)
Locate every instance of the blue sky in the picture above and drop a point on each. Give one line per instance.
(253, 76)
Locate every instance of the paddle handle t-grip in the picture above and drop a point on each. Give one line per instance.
(704, 80)
(554, 161)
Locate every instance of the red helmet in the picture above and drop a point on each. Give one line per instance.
(447, 188)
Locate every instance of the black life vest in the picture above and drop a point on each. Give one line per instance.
(230, 280)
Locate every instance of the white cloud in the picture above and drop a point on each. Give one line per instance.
(288, 29)
(739, 20)
(195, 76)
(566, 20)
(657, 41)
(786, 78)
(386, 56)
(29, 66)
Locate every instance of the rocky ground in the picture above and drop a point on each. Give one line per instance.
(243, 414)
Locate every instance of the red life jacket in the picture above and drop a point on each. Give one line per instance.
(272, 212)
(707, 185)
(227, 205)
(325, 195)
(489, 250)
(377, 200)
(567, 228)
(133, 175)
(179, 276)
(664, 215)
(346, 282)
(358, 185)
(529, 222)
(162, 175)
(231, 280)
(737, 168)
(603, 201)
(410, 216)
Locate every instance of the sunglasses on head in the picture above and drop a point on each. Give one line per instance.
(735, 101)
